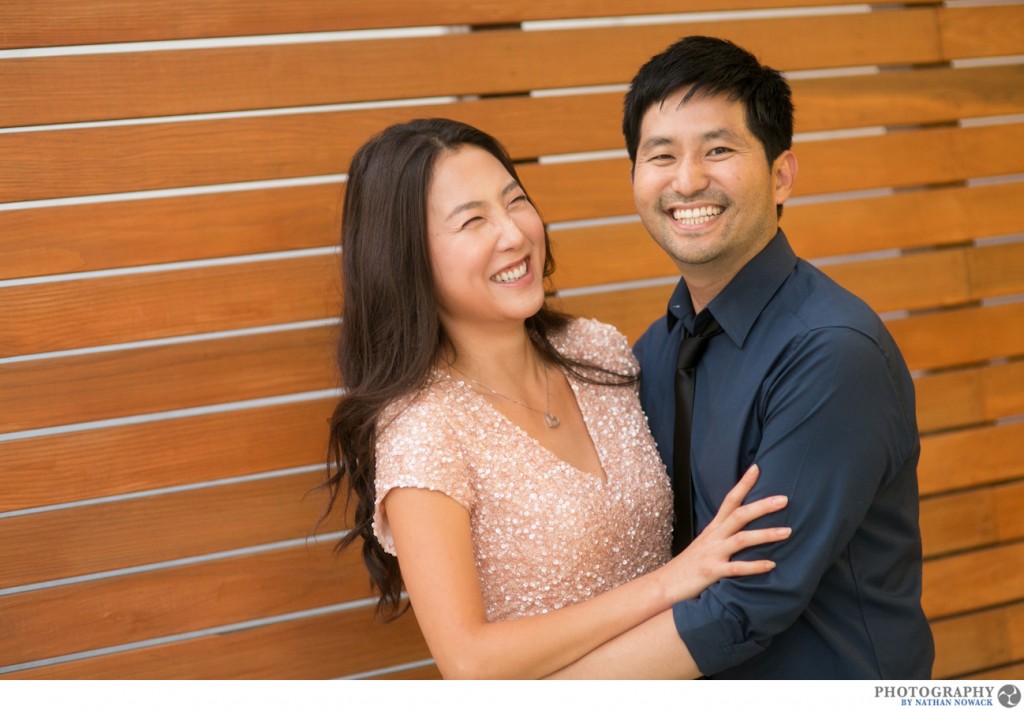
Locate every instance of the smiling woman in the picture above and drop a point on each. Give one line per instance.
(502, 465)
(485, 251)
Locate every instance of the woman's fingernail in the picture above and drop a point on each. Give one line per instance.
(784, 532)
(780, 500)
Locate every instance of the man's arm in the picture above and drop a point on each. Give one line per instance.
(834, 428)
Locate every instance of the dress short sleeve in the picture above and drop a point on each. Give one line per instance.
(417, 449)
(599, 344)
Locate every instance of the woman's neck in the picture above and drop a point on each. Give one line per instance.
(501, 360)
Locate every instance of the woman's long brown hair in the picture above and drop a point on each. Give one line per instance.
(391, 335)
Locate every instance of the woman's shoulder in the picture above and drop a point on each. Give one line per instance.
(417, 418)
(597, 343)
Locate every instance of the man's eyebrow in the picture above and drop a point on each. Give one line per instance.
(655, 142)
(718, 133)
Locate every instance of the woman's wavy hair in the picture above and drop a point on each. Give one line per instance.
(391, 335)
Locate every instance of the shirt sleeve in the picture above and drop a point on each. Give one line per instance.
(418, 450)
(835, 428)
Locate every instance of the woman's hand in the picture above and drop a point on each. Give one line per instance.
(707, 558)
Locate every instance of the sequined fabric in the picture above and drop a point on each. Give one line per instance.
(545, 534)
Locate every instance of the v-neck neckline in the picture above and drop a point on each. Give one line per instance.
(601, 481)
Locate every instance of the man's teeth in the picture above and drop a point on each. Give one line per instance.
(510, 275)
(698, 215)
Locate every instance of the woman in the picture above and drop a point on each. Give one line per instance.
(495, 446)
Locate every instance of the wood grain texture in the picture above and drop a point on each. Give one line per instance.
(86, 388)
(593, 255)
(120, 309)
(176, 82)
(973, 518)
(973, 581)
(110, 235)
(107, 612)
(925, 342)
(36, 24)
(965, 32)
(973, 457)
(133, 157)
(922, 338)
(69, 467)
(981, 640)
(122, 234)
(38, 548)
(970, 395)
(322, 647)
(897, 97)
(1012, 670)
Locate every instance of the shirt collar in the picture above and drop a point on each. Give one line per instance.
(742, 300)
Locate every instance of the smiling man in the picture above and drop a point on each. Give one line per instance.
(797, 375)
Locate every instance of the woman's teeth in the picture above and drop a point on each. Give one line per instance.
(510, 275)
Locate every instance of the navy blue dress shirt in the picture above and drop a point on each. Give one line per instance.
(807, 383)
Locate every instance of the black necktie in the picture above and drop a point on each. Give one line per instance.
(690, 349)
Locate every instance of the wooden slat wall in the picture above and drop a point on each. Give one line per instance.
(169, 292)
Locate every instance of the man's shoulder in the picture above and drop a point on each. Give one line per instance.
(816, 301)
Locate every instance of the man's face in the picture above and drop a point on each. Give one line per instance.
(703, 187)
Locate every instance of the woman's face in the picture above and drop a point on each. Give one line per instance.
(485, 241)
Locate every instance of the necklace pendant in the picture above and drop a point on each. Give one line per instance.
(551, 420)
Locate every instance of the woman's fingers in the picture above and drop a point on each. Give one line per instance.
(735, 497)
(750, 538)
(745, 514)
(745, 567)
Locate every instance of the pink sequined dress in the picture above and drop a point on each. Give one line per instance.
(545, 534)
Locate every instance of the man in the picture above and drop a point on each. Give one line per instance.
(803, 380)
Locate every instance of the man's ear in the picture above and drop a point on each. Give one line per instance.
(784, 176)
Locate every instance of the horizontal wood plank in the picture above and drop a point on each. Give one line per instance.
(68, 390)
(905, 159)
(120, 309)
(166, 304)
(975, 32)
(925, 342)
(174, 82)
(110, 235)
(973, 457)
(970, 396)
(38, 548)
(421, 673)
(134, 458)
(322, 647)
(972, 581)
(134, 157)
(923, 339)
(898, 98)
(138, 232)
(976, 641)
(51, 622)
(1013, 670)
(103, 21)
(973, 518)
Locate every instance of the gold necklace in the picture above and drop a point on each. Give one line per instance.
(549, 418)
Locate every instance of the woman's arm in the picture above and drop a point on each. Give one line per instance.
(650, 651)
(433, 539)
